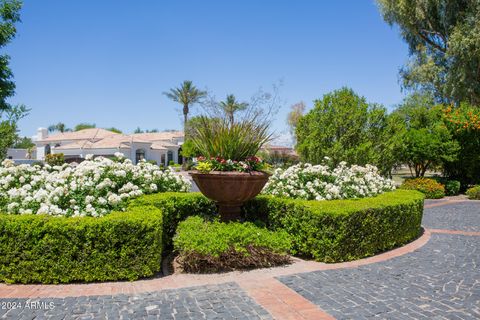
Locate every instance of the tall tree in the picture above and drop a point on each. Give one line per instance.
(231, 105)
(427, 143)
(9, 115)
(444, 41)
(294, 116)
(187, 94)
(60, 127)
(344, 127)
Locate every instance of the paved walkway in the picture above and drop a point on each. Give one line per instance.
(435, 277)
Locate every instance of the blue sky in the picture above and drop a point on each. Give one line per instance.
(108, 61)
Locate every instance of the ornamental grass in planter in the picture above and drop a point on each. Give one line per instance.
(228, 171)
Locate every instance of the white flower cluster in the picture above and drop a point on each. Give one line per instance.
(320, 182)
(94, 187)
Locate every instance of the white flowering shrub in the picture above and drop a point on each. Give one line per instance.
(321, 182)
(92, 188)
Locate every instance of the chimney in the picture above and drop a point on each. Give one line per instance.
(42, 133)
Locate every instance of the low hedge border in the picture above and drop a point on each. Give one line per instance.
(47, 249)
(206, 247)
(343, 230)
(128, 245)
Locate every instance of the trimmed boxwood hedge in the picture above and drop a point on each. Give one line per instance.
(343, 230)
(47, 249)
(129, 245)
(176, 207)
(206, 246)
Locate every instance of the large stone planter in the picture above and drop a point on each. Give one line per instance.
(230, 189)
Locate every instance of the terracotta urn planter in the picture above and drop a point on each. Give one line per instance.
(230, 189)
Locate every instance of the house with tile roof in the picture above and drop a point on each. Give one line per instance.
(161, 147)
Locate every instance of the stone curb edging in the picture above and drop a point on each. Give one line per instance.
(460, 232)
(443, 203)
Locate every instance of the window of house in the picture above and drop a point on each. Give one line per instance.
(139, 155)
(47, 149)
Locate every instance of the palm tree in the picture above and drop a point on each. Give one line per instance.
(187, 94)
(231, 105)
(60, 127)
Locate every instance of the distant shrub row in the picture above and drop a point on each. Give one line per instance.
(433, 188)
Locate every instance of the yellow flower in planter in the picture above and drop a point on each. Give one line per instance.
(204, 167)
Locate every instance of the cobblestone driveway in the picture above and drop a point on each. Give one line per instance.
(441, 280)
(226, 301)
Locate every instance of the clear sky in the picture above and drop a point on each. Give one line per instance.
(109, 61)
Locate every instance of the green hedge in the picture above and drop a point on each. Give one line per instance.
(343, 230)
(176, 207)
(48, 249)
(216, 246)
(128, 245)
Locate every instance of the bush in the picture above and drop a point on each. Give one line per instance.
(128, 245)
(176, 207)
(93, 188)
(55, 159)
(429, 187)
(452, 187)
(473, 193)
(343, 230)
(323, 182)
(46, 249)
(215, 246)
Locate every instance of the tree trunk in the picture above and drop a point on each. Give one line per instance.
(185, 120)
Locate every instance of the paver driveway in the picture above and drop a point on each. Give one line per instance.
(436, 277)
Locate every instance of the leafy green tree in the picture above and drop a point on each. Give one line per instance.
(344, 127)
(84, 125)
(231, 105)
(60, 127)
(427, 142)
(24, 143)
(189, 150)
(9, 115)
(464, 125)
(8, 132)
(444, 41)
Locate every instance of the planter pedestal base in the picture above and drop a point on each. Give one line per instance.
(230, 211)
(230, 189)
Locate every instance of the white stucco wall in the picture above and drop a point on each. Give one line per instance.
(18, 154)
